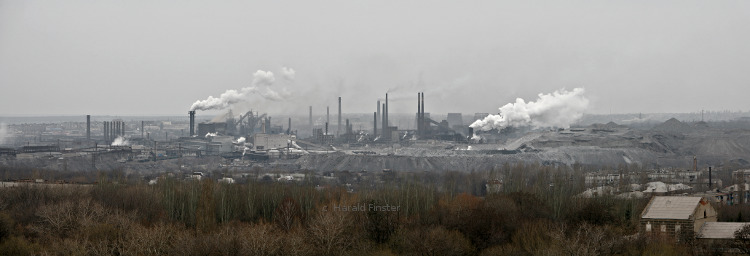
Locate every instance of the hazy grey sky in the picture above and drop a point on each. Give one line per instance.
(99, 57)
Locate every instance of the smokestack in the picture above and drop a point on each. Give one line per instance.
(88, 127)
(347, 127)
(382, 123)
(425, 124)
(328, 114)
(419, 114)
(375, 124)
(143, 124)
(338, 129)
(289, 127)
(710, 183)
(192, 123)
(123, 130)
(310, 120)
(106, 136)
(386, 110)
(378, 107)
(386, 131)
(326, 129)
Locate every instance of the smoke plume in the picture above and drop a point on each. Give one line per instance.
(287, 73)
(120, 141)
(559, 109)
(241, 140)
(262, 80)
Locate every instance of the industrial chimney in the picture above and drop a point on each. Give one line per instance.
(192, 122)
(310, 120)
(88, 127)
(419, 114)
(338, 129)
(378, 107)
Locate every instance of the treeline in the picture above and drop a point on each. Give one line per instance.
(536, 213)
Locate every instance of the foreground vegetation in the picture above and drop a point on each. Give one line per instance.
(537, 213)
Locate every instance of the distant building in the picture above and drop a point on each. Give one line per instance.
(264, 141)
(676, 216)
(455, 119)
(719, 237)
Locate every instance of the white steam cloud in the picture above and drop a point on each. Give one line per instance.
(262, 80)
(241, 140)
(287, 73)
(120, 141)
(559, 109)
(211, 134)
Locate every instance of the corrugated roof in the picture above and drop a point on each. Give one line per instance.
(671, 207)
(720, 230)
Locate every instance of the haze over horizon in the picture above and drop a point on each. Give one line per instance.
(134, 58)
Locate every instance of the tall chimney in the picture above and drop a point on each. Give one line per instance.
(383, 129)
(106, 136)
(338, 129)
(347, 127)
(88, 127)
(710, 183)
(375, 124)
(143, 125)
(425, 124)
(328, 114)
(326, 129)
(378, 107)
(387, 131)
(419, 114)
(192, 123)
(289, 127)
(310, 120)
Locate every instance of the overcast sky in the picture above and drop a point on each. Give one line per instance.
(157, 57)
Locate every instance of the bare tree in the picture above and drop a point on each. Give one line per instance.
(742, 239)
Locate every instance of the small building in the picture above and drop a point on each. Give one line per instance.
(719, 236)
(720, 230)
(677, 216)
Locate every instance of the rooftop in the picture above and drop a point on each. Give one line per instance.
(720, 230)
(671, 207)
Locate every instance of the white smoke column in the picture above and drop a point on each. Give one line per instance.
(211, 134)
(559, 109)
(4, 134)
(287, 73)
(241, 140)
(260, 85)
(120, 141)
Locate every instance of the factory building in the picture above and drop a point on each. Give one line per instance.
(263, 141)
